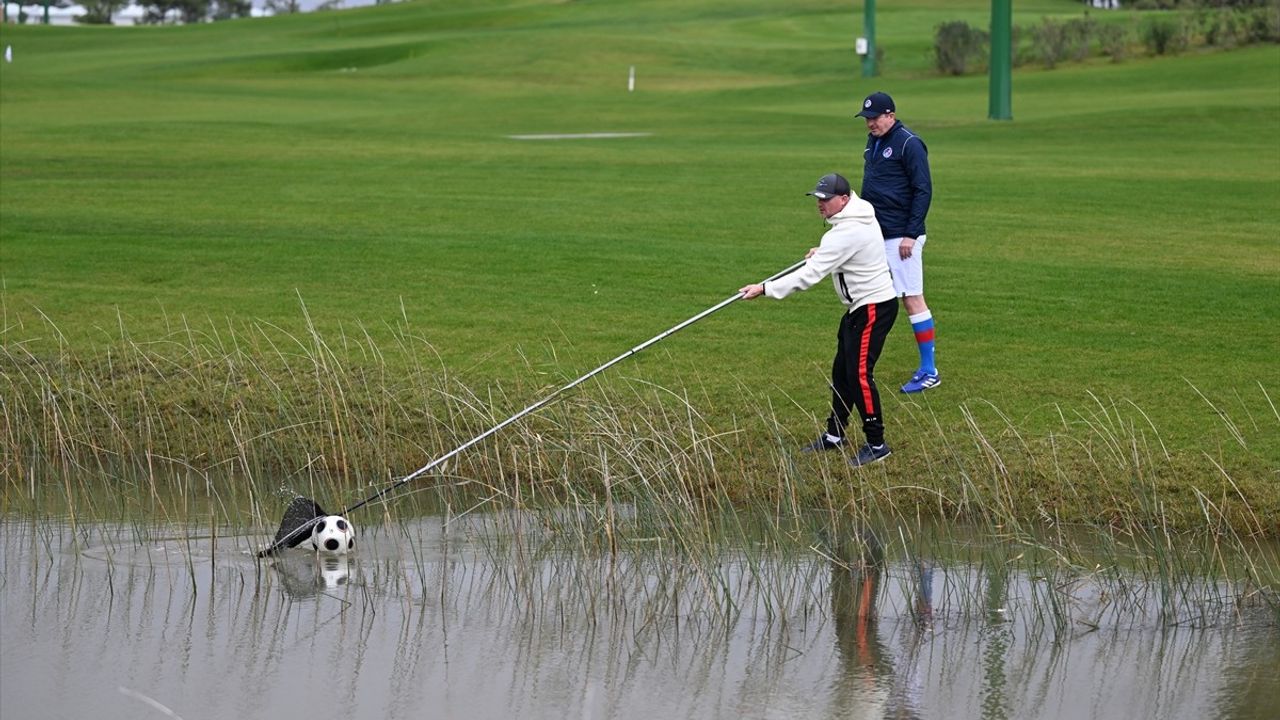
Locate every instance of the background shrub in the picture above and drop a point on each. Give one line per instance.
(1163, 35)
(1191, 4)
(1220, 28)
(1079, 36)
(1263, 23)
(1113, 40)
(1023, 50)
(1050, 41)
(956, 44)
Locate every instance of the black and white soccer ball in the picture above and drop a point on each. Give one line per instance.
(333, 535)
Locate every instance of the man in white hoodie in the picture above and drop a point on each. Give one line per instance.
(852, 253)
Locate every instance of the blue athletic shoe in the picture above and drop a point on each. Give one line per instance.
(922, 381)
(869, 453)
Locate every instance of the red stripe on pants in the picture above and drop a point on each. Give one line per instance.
(864, 347)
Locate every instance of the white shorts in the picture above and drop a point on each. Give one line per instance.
(908, 275)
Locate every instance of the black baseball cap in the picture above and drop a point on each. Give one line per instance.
(877, 104)
(830, 186)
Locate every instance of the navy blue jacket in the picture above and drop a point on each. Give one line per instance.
(895, 180)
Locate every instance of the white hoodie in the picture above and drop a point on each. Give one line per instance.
(852, 252)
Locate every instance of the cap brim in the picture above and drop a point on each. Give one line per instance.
(821, 195)
(869, 114)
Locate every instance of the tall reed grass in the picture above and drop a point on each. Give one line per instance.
(219, 425)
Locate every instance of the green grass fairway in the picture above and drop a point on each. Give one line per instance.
(1105, 267)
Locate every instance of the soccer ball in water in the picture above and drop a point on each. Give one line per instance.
(333, 535)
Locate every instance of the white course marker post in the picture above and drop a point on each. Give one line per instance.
(631, 80)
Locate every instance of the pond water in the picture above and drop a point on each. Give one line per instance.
(473, 619)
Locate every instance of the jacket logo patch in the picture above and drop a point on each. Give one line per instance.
(888, 152)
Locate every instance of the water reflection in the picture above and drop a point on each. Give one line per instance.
(998, 637)
(473, 619)
(878, 680)
(306, 574)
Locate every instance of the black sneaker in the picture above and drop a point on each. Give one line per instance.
(823, 443)
(869, 453)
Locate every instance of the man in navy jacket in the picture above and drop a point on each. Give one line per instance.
(895, 180)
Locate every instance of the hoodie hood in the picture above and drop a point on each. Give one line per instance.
(857, 210)
(852, 253)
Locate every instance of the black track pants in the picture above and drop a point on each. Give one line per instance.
(853, 383)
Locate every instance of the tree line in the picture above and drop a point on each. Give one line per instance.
(156, 12)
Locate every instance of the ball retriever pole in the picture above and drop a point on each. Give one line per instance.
(303, 513)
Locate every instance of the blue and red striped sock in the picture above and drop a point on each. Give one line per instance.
(922, 326)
